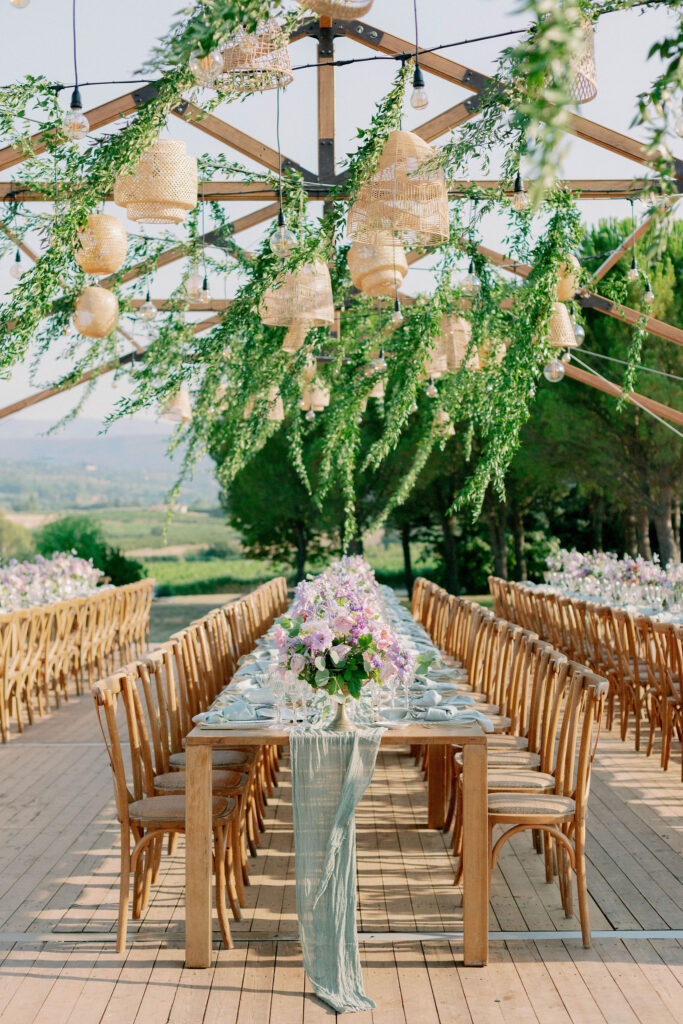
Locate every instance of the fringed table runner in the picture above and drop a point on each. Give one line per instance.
(330, 773)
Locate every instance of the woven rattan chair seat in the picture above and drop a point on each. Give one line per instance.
(503, 781)
(154, 809)
(174, 782)
(219, 759)
(543, 806)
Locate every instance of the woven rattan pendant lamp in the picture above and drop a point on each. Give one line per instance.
(377, 265)
(296, 336)
(583, 85)
(567, 279)
(338, 8)
(301, 296)
(178, 409)
(162, 186)
(560, 328)
(256, 61)
(455, 333)
(102, 245)
(276, 410)
(96, 312)
(402, 197)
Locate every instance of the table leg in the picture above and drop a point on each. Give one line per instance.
(198, 852)
(436, 784)
(476, 855)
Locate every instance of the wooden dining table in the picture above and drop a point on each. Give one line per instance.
(437, 736)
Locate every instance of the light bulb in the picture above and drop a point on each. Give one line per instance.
(554, 371)
(310, 415)
(418, 98)
(431, 390)
(206, 69)
(649, 295)
(519, 196)
(282, 241)
(397, 315)
(633, 273)
(413, 407)
(359, 418)
(579, 332)
(678, 125)
(194, 286)
(380, 362)
(205, 294)
(16, 270)
(470, 284)
(19, 4)
(75, 124)
(147, 310)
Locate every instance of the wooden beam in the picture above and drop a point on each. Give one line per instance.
(627, 243)
(113, 110)
(640, 401)
(630, 316)
(236, 139)
(473, 80)
(213, 306)
(261, 191)
(450, 118)
(327, 169)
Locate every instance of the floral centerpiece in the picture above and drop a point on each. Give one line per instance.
(335, 637)
(45, 580)
(605, 574)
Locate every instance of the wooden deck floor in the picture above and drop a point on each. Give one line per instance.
(58, 898)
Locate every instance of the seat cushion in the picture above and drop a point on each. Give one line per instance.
(543, 806)
(514, 759)
(496, 742)
(153, 809)
(220, 758)
(221, 779)
(502, 780)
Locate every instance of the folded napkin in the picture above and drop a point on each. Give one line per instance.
(258, 695)
(454, 715)
(432, 699)
(238, 711)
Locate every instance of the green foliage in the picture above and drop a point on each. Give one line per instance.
(15, 541)
(84, 537)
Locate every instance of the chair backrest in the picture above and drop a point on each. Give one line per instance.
(579, 734)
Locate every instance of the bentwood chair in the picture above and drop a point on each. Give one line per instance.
(145, 818)
(561, 812)
(666, 686)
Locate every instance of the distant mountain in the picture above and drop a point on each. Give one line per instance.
(80, 467)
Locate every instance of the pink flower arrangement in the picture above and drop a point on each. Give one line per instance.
(335, 636)
(45, 580)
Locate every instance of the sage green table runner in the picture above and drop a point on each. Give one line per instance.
(330, 773)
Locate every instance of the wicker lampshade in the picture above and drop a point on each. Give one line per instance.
(96, 312)
(303, 295)
(314, 396)
(254, 62)
(378, 265)
(454, 337)
(491, 353)
(162, 186)
(567, 279)
(310, 368)
(296, 336)
(102, 244)
(402, 197)
(584, 81)
(338, 8)
(560, 328)
(276, 410)
(178, 409)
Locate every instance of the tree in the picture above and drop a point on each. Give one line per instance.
(83, 536)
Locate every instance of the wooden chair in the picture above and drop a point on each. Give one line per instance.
(561, 813)
(146, 818)
(666, 686)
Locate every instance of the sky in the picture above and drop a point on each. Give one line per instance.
(114, 40)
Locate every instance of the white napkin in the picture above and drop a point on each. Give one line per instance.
(238, 711)
(454, 716)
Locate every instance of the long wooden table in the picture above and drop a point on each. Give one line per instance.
(437, 737)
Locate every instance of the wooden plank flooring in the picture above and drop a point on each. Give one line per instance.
(59, 889)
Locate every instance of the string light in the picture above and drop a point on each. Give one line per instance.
(418, 98)
(282, 241)
(520, 200)
(205, 294)
(16, 270)
(633, 273)
(554, 371)
(397, 315)
(579, 332)
(431, 391)
(380, 362)
(75, 124)
(471, 282)
(206, 68)
(147, 310)
(310, 415)
(649, 295)
(194, 285)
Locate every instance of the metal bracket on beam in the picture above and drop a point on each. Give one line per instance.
(360, 29)
(292, 165)
(145, 94)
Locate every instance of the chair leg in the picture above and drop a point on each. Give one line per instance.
(236, 850)
(220, 836)
(581, 885)
(124, 891)
(172, 843)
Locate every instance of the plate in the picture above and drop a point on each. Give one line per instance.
(237, 726)
(387, 723)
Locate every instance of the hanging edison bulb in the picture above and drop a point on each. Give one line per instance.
(431, 391)
(418, 98)
(649, 295)
(470, 282)
(147, 310)
(16, 270)
(520, 200)
(206, 68)
(397, 315)
(554, 371)
(75, 124)
(282, 241)
(193, 286)
(633, 272)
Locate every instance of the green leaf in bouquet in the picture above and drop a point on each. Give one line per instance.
(321, 677)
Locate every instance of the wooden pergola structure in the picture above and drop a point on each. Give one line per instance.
(318, 184)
